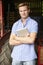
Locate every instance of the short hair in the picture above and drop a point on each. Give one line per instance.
(24, 4)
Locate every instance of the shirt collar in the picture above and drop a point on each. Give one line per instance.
(26, 20)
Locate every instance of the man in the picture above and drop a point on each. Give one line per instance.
(23, 52)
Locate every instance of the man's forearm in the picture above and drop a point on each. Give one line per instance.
(28, 39)
(14, 42)
(25, 39)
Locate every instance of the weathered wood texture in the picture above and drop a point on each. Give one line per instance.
(5, 55)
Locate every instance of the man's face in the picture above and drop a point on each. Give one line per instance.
(24, 11)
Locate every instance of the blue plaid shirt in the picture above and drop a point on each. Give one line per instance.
(24, 52)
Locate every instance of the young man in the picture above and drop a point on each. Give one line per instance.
(23, 52)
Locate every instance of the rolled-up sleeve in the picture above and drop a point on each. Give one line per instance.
(34, 27)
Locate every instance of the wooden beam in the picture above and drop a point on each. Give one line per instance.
(1, 19)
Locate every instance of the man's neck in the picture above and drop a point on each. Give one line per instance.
(23, 20)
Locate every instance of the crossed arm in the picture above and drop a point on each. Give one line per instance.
(15, 40)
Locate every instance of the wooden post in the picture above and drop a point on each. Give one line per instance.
(1, 20)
